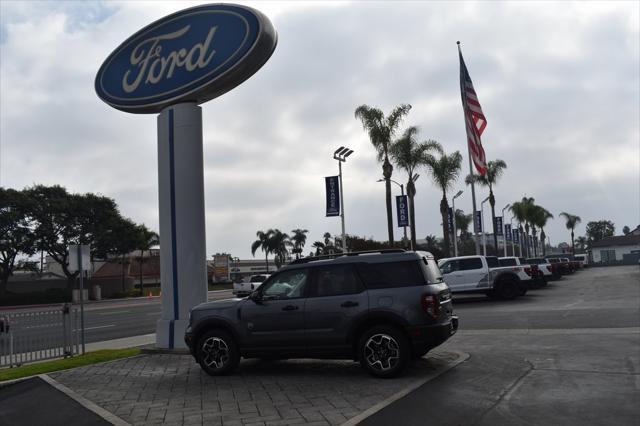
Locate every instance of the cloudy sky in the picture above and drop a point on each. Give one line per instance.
(558, 82)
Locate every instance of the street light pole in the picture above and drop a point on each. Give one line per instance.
(504, 235)
(484, 233)
(341, 155)
(513, 246)
(455, 231)
(402, 192)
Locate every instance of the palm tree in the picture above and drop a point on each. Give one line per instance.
(319, 246)
(299, 238)
(539, 217)
(444, 172)
(409, 155)
(263, 242)
(495, 169)
(147, 240)
(381, 131)
(572, 221)
(462, 222)
(279, 243)
(522, 210)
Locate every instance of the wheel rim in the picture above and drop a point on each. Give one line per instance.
(382, 352)
(215, 353)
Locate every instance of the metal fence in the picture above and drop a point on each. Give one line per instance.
(29, 336)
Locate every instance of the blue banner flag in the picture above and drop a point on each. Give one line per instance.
(516, 236)
(477, 223)
(498, 225)
(333, 195)
(507, 231)
(402, 210)
(450, 220)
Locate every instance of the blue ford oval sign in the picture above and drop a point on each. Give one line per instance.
(193, 55)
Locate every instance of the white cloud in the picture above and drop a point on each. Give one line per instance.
(559, 84)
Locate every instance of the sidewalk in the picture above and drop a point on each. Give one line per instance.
(173, 390)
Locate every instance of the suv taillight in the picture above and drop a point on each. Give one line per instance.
(431, 305)
(527, 270)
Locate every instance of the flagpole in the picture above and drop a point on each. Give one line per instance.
(473, 189)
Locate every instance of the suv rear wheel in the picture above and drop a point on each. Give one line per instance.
(383, 351)
(217, 353)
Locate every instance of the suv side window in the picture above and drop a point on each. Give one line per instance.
(391, 274)
(470, 264)
(285, 285)
(507, 262)
(335, 280)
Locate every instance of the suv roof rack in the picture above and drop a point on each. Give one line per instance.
(336, 255)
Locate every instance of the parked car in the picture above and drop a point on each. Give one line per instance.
(480, 274)
(563, 266)
(244, 288)
(583, 259)
(536, 276)
(571, 264)
(551, 271)
(380, 308)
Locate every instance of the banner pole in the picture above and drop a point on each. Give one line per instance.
(344, 242)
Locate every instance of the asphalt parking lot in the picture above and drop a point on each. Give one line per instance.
(568, 354)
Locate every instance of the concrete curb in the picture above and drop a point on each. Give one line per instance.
(462, 356)
(108, 416)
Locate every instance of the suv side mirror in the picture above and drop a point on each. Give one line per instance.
(256, 296)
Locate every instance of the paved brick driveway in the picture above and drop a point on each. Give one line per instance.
(172, 390)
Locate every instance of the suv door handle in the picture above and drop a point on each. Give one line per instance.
(349, 304)
(290, 308)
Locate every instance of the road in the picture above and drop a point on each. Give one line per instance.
(565, 355)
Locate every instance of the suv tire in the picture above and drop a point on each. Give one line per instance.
(383, 351)
(217, 353)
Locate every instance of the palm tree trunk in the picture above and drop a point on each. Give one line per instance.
(573, 250)
(123, 287)
(492, 201)
(543, 237)
(387, 170)
(444, 211)
(266, 259)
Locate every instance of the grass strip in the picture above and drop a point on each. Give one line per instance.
(63, 364)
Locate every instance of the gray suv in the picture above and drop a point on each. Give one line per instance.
(380, 308)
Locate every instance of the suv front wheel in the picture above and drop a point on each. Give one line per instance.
(217, 353)
(383, 351)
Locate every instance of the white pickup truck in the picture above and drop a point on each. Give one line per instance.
(480, 274)
(535, 272)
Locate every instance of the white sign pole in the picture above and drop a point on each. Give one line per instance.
(182, 223)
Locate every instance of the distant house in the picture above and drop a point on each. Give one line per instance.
(618, 249)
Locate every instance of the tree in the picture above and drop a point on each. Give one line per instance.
(16, 235)
(408, 154)
(571, 222)
(598, 230)
(60, 219)
(381, 131)
(146, 240)
(581, 242)
(522, 212)
(279, 243)
(539, 217)
(444, 172)
(626, 230)
(495, 169)
(298, 239)
(319, 246)
(462, 223)
(263, 242)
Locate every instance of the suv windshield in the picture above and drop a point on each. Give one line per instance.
(510, 261)
(257, 278)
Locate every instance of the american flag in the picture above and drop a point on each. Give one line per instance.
(473, 117)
